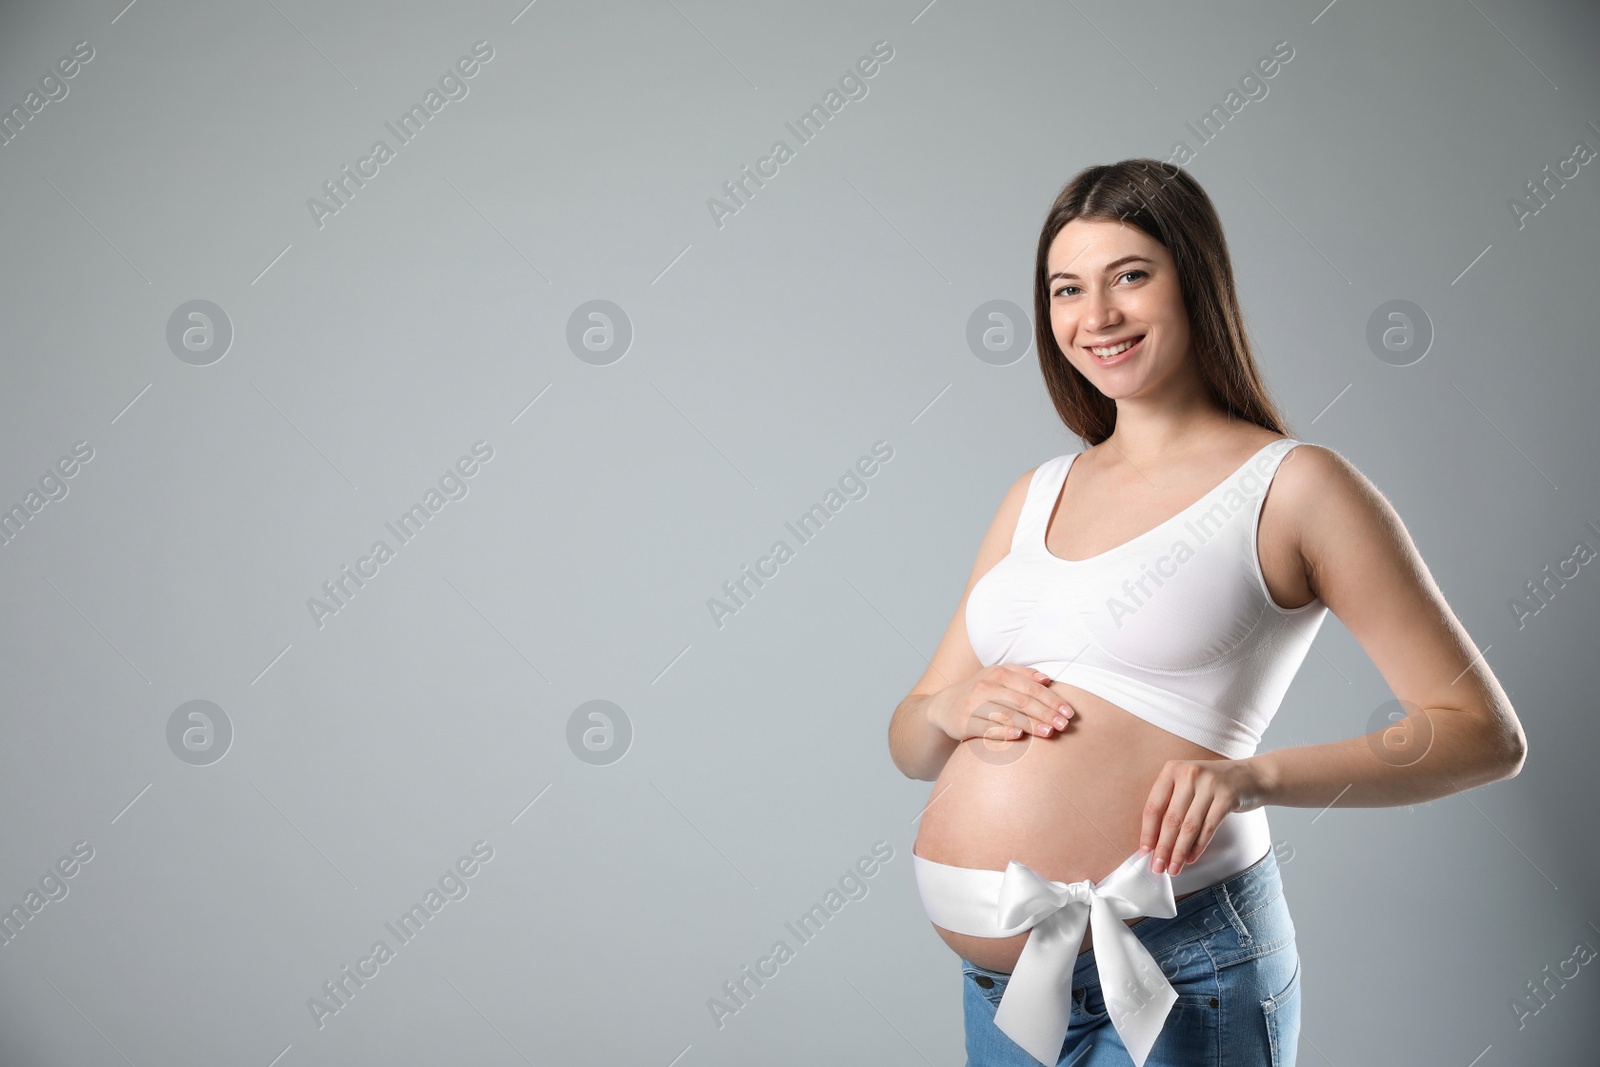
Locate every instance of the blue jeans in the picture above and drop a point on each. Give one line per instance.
(1230, 955)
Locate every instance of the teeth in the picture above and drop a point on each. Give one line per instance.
(1107, 353)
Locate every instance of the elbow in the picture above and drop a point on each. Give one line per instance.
(1516, 752)
(912, 771)
(916, 774)
(896, 757)
(1492, 749)
(1510, 746)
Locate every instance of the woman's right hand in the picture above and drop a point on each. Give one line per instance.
(1000, 703)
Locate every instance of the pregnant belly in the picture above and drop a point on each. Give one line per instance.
(1069, 806)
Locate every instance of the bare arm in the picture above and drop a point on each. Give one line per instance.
(957, 696)
(1363, 565)
(1461, 731)
(919, 748)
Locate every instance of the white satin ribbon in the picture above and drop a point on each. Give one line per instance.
(1036, 1008)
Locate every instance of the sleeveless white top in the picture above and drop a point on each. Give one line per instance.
(1175, 626)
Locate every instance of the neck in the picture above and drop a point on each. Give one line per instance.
(1153, 435)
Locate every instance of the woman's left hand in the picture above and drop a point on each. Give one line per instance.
(1188, 802)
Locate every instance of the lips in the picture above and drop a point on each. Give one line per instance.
(1137, 339)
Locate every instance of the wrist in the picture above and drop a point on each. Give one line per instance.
(1265, 779)
(932, 714)
(940, 743)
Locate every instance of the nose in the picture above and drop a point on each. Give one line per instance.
(1098, 311)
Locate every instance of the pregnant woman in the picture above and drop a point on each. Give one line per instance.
(1095, 847)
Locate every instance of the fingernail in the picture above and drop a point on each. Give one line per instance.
(1157, 864)
(1061, 722)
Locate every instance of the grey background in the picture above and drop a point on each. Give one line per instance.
(768, 355)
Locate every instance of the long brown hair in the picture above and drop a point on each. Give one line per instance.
(1166, 203)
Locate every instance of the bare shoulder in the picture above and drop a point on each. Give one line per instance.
(1309, 468)
(1016, 493)
(1362, 563)
(1344, 527)
(1319, 482)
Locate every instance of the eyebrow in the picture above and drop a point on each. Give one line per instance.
(1113, 265)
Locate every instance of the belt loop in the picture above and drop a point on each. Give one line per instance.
(1234, 918)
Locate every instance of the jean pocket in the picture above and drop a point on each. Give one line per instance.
(991, 985)
(1283, 1020)
(1089, 1002)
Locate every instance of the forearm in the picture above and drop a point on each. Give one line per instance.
(1420, 758)
(918, 747)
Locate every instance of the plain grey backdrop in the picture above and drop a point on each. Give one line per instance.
(183, 483)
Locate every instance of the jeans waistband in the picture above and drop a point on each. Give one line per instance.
(1231, 902)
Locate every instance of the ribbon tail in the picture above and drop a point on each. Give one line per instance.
(1036, 1008)
(1137, 995)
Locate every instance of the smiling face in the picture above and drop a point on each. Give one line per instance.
(1111, 283)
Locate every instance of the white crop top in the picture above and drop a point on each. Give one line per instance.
(1175, 626)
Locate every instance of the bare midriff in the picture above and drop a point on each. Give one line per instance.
(1070, 806)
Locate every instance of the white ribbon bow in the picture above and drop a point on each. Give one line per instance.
(1036, 1008)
